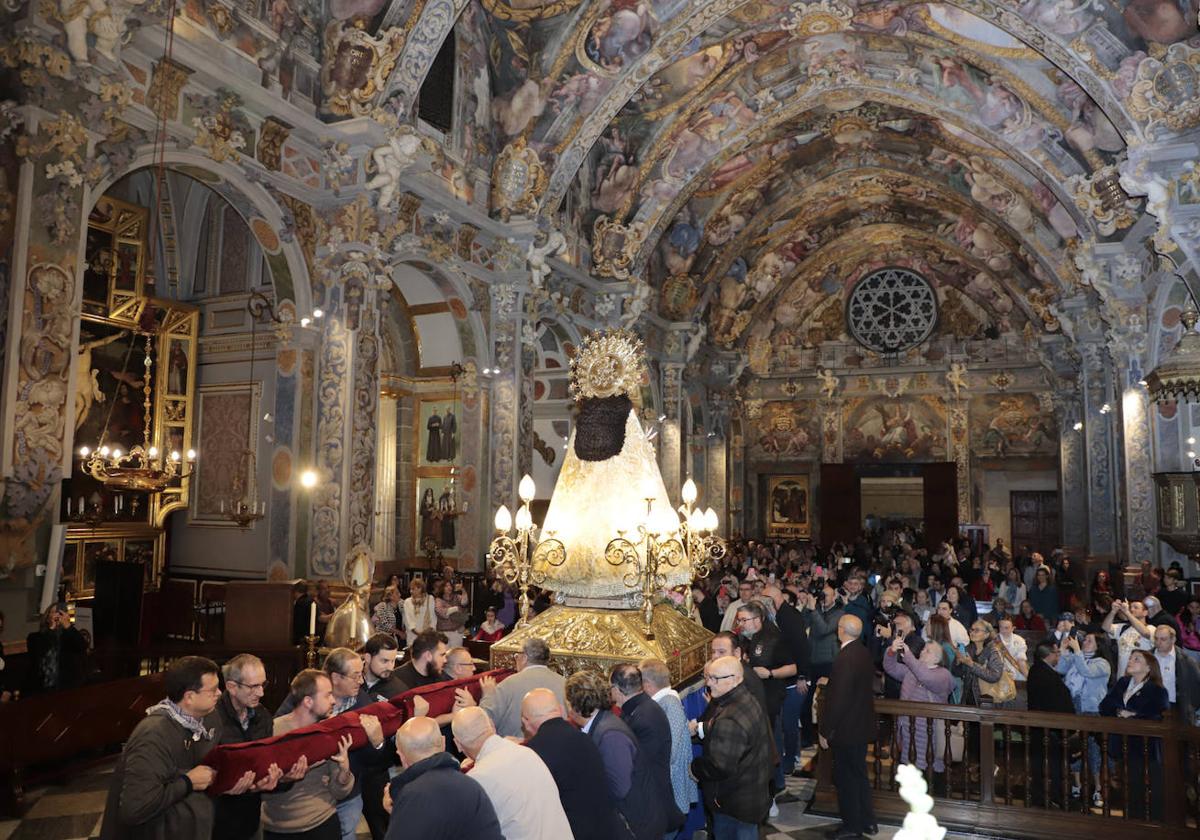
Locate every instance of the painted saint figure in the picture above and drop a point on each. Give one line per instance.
(445, 511)
(429, 518)
(449, 434)
(433, 448)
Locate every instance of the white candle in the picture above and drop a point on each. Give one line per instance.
(82, 506)
(312, 619)
(222, 506)
(68, 506)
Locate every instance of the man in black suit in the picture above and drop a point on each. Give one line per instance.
(575, 764)
(649, 723)
(846, 725)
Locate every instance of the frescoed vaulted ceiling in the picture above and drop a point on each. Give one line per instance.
(752, 160)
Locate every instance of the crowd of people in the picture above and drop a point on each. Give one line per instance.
(877, 618)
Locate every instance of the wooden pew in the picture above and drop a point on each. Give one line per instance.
(40, 736)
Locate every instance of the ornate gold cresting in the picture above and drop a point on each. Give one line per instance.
(143, 467)
(514, 558)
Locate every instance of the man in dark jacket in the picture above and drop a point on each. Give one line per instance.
(240, 717)
(771, 659)
(649, 723)
(626, 768)
(379, 683)
(433, 799)
(847, 725)
(794, 629)
(1047, 693)
(735, 768)
(57, 655)
(157, 788)
(576, 765)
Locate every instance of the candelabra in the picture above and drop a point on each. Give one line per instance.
(310, 655)
(243, 508)
(702, 546)
(648, 548)
(514, 558)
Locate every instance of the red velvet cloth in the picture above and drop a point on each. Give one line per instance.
(320, 740)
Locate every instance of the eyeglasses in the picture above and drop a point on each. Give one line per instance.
(355, 677)
(711, 678)
(214, 691)
(251, 686)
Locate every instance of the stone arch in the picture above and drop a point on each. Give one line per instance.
(285, 256)
(446, 329)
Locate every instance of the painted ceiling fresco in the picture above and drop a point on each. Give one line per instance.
(758, 157)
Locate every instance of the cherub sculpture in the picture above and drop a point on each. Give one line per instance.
(956, 377)
(106, 19)
(538, 255)
(390, 162)
(829, 383)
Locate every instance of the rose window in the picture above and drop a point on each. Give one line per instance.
(891, 310)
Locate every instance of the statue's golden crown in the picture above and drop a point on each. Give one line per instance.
(608, 363)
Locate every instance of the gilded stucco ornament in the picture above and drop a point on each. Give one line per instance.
(1136, 181)
(1101, 196)
(218, 134)
(820, 18)
(518, 179)
(614, 247)
(1166, 90)
(356, 66)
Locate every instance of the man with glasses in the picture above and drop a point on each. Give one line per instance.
(735, 767)
(459, 664)
(240, 717)
(344, 668)
(773, 663)
(157, 788)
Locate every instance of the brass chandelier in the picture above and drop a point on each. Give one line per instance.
(144, 468)
(514, 558)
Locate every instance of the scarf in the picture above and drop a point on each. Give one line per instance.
(191, 724)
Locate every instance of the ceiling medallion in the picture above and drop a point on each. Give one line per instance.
(614, 246)
(517, 180)
(820, 18)
(891, 310)
(1166, 90)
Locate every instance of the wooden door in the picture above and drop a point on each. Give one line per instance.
(1034, 520)
(941, 502)
(841, 504)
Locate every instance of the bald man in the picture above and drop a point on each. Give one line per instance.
(574, 762)
(735, 769)
(847, 725)
(431, 775)
(516, 781)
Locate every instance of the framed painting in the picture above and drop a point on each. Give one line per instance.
(438, 441)
(789, 507)
(437, 516)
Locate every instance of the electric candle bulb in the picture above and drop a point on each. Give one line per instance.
(710, 520)
(503, 520)
(689, 492)
(524, 519)
(191, 453)
(526, 489)
(84, 451)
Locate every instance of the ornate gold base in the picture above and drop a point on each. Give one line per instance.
(582, 637)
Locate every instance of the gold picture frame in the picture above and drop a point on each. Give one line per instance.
(789, 507)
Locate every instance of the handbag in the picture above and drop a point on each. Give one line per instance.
(1002, 690)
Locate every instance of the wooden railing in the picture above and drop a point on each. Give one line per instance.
(1004, 769)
